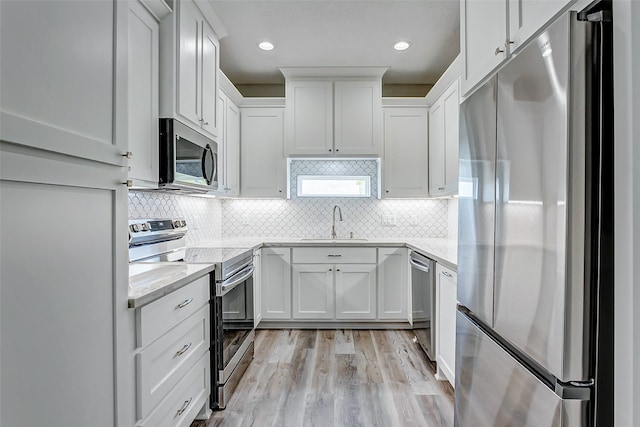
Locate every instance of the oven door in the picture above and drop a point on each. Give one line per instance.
(235, 319)
(188, 159)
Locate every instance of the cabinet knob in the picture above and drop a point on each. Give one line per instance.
(386, 191)
(338, 269)
(329, 149)
(440, 188)
(206, 123)
(128, 183)
(337, 149)
(128, 154)
(331, 269)
(279, 191)
(508, 42)
(499, 50)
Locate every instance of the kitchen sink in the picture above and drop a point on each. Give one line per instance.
(333, 240)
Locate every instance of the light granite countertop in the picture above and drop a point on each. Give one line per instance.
(444, 251)
(151, 281)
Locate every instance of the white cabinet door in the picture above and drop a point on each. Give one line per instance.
(405, 152)
(143, 96)
(393, 283)
(257, 287)
(232, 149)
(276, 283)
(451, 101)
(189, 52)
(313, 291)
(210, 54)
(358, 117)
(355, 291)
(228, 146)
(75, 313)
(262, 153)
(483, 35)
(446, 300)
(443, 143)
(527, 16)
(58, 77)
(436, 148)
(309, 118)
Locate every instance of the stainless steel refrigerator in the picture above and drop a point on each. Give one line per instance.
(534, 337)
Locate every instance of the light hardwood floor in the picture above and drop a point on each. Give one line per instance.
(337, 378)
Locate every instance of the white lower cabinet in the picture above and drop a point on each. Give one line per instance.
(313, 294)
(257, 287)
(276, 283)
(446, 300)
(333, 284)
(393, 283)
(172, 360)
(355, 291)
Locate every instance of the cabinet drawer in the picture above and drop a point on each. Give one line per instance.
(184, 402)
(161, 365)
(158, 317)
(334, 255)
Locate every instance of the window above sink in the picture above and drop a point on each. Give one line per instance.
(333, 178)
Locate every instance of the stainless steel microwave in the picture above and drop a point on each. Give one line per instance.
(188, 159)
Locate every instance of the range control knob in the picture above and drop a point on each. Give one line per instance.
(136, 228)
(176, 223)
(146, 226)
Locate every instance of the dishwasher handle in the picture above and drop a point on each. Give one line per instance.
(420, 266)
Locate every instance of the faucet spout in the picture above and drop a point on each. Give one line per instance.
(334, 233)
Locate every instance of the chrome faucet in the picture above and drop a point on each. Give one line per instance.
(333, 229)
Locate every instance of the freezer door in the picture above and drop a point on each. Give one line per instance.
(494, 390)
(476, 202)
(539, 257)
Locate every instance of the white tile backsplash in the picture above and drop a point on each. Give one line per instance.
(452, 215)
(313, 217)
(203, 215)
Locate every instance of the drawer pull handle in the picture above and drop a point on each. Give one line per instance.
(334, 255)
(183, 350)
(185, 303)
(446, 273)
(185, 405)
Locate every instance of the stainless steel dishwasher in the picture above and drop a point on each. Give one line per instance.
(423, 302)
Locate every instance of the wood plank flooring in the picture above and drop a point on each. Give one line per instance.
(337, 378)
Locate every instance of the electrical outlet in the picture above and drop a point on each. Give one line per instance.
(244, 219)
(388, 220)
(413, 220)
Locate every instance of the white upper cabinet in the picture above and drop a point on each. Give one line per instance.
(309, 117)
(358, 117)
(228, 147)
(261, 153)
(330, 117)
(405, 152)
(526, 17)
(58, 73)
(483, 35)
(443, 143)
(189, 55)
(143, 96)
(491, 30)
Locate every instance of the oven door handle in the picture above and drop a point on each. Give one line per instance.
(418, 265)
(228, 285)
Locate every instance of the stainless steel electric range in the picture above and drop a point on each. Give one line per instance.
(231, 303)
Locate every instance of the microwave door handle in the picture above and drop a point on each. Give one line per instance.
(214, 166)
(207, 151)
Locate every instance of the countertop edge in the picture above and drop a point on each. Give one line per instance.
(156, 294)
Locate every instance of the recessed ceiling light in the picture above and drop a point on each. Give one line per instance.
(265, 45)
(402, 45)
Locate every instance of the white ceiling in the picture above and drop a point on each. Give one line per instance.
(339, 33)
